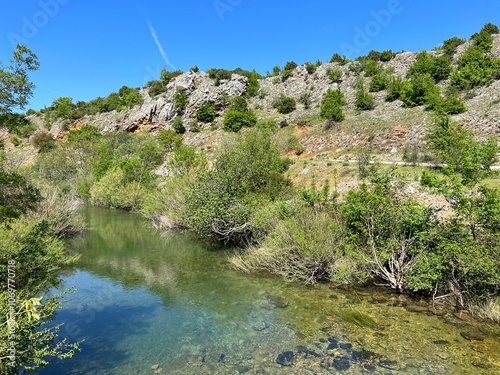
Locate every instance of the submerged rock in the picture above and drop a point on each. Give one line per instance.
(286, 358)
(277, 301)
(341, 363)
(441, 342)
(472, 336)
(260, 326)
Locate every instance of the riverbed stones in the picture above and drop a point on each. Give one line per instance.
(472, 336)
(260, 326)
(286, 359)
(277, 301)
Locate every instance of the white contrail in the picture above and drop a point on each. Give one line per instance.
(160, 48)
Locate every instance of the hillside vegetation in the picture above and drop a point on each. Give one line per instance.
(294, 169)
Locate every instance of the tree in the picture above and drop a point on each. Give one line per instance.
(285, 104)
(331, 106)
(238, 116)
(15, 88)
(245, 174)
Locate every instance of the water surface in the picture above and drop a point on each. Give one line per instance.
(149, 304)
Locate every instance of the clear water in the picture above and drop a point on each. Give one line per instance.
(149, 304)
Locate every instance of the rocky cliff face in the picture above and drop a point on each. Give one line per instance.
(388, 126)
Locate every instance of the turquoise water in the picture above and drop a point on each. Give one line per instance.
(149, 304)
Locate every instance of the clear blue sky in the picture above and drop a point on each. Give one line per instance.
(89, 48)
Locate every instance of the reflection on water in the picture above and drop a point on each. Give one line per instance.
(149, 304)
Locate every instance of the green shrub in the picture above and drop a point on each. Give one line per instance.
(43, 141)
(180, 101)
(310, 67)
(169, 139)
(395, 86)
(284, 104)
(335, 75)
(474, 69)
(238, 116)
(336, 58)
(253, 84)
(331, 105)
(364, 101)
(439, 68)
(290, 65)
(245, 174)
(419, 91)
(372, 68)
(386, 55)
(305, 99)
(286, 74)
(17, 124)
(206, 112)
(378, 83)
(450, 45)
(87, 133)
(178, 125)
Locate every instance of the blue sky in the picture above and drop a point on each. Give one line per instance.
(89, 48)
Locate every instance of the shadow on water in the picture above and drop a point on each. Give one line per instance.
(151, 304)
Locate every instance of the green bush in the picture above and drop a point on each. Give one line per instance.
(180, 101)
(364, 101)
(286, 74)
(386, 55)
(310, 67)
(253, 84)
(155, 88)
(43, 141)
(290, 65)
(305, 99)
(395, 86)
(331, 105)
(474, 69)
(284, 104)
(206, 112)
(169, 139)
(245, 174)
(419, 91)
(239, 116)
(178, 125)
(17, 124)
(378, 83)
(336, 58)
(450, 45)
(335, 75)
(372, 67)
(439, 68)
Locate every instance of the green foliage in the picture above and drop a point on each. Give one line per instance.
(245, 173)
(483, 40)
(474, 69)
(310, 67)
(238, 116)
(169, 139)
(450, 105)
(43, 141)
(378, 83)
(335, 75)
(438, 67)
(180, 101)
(420, 90)
(16, 88)
(364, 100)
(87, 133)
(395, 86)
(183, 159)
(284, 104)
(219, 75)
(305, 99)
(490, 28)
(286, 74)
(331, 105)
(456, 146)
(450, 45)
(290, 65)
(372, 67)
(17, 196)
(386, 55)
(18, 124)
(253, 84)
(390, 232)
(336, 58)
(206, 112)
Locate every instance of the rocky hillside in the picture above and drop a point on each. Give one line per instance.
(388, 127)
